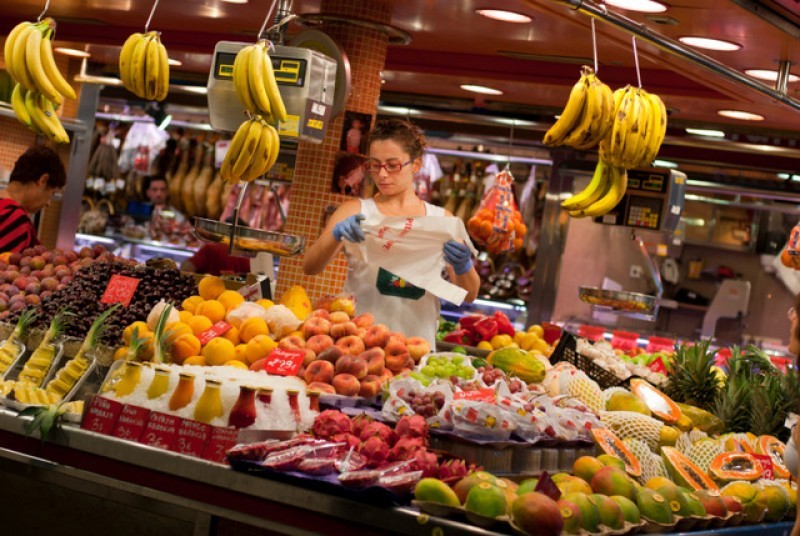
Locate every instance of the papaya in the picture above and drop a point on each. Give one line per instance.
(703, 420)
(516, 362)
(611, 445)
(684, 472)
(729, 466)
(659, 404)
(773, 447)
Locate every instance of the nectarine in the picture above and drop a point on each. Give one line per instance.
(370, 386)
(319, 371)
(337, 317)
(396, 335)
(343, 329)
(418, 347)
(375, 360)
(377, 336)
(292, 342)
(351, 344)
(332, 354)
(364, 320)
(325, 388)
(318, 343)
(346, 384)
(316, 325)
(349, 364)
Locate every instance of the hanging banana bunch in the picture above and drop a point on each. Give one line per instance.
(144, 66)
(254, 80)
(252, 152)
(602, 194)
(40, 86)
(640, 124)
(587, 117)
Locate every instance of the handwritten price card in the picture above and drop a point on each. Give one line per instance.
(192, 437)
(657, 365)
(131, 423)
(284, 362)
(221, 441)
(161, 431)
(765, 461)
(120, 289)
(478, 395)
(218, 329)
(101, 416)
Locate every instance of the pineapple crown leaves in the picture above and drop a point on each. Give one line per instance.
(98, 328)
(25, 320)
(691, 378)
(136, 344)
(769, 407)
(46, 420)
(161, 337)
(59, 323)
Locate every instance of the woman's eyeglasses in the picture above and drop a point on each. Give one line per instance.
(390, 167)
(791, 314)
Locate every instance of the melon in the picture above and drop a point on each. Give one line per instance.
(611, 445)
(659, 404)
(729, 466)
(684, 472)
(773, 447)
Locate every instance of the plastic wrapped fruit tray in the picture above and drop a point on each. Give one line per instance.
(249, 241)
(618, 300)
(566, 351)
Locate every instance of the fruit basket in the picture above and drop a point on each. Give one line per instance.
(566, 351)
(618, 300)
(248, 241)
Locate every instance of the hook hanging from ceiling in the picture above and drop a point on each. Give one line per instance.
(46, 7)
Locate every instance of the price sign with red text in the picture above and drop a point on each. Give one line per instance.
(765, 461)
(120, 289)
(101, 415)
(192, 437)
(657, 365)
(284, 362)
(131, 423)
(161, 431)
(219, 442)
(218, 329)
(478, 395)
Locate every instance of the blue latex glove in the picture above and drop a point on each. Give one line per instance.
(349, 229)
(459, 256)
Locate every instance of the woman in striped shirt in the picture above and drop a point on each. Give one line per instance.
(37, 175)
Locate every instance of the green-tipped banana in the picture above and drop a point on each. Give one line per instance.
(618, 185)
(593, 191)
(18, 105)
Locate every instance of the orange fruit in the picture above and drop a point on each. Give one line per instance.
(266, 304)
(210, 287)
(191, 303)
(251, 327)
(183, 347)
(486, 229)
(175, 330)
(787, 260)
(230, 299)
(128, 332)
(240, 353)
(185, 316)
(196, 360)
(237, 364)
(258, 347)
(211, 309)
(520, 230)
(121, 353)
(232, 335)
(218, 351)
(199, 324)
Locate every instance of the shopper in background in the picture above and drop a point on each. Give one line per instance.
(38, 174)
(157, 192)
(395, 155)
(214, 259)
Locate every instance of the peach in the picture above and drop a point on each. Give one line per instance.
(337, 317)
(362, 332)
(370, 386)
(324, 388)
(418, 347)
(316, 325)
(346, 384)
(310, 357)
(292, 342)
(320, 313)
(396, 335)
(349, 364)
(343, 329)
(319, 371)
(375, 360)
(386, 375)
(364, 320)
(351, 344)
(397, 357)
(377, 336)
(318, 343)
(331, 354)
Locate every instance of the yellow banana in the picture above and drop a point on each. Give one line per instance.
(274, 149)
(592, 108)
(54, 123)
(126, 59)
(258, 164)
(151, 68)
(618, 181)
(162, 83)
(593, 191)
(646, 114)
(622, 119)
(245, 156)
(38, 119)
(241, 79)
(233, 152)
(138, 67)
(33, 58)
(19, 57)
(608, 111)
(256, 74)
(18, 105)
(51, 69)
(659, 129)
(273, 92)
(569, 116)
(605, 103)
(8, 49)
(633, 132)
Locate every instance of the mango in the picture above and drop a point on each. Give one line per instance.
(571, 515)
(434, 490)
(610, 512)
(776, 501)
(586, 466)
(627, 401)
(487, 500)
(676, 500)
(652, 505)
(611, 461)
(629, 509)
(463, 486)
(590, 515)
(526, 486)
(573, 483)
(536, 513)
(613, 481)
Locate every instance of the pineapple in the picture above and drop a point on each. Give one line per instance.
(692, 379)
(37, 366)
(768, 410)
(10, 349)
(733, 404)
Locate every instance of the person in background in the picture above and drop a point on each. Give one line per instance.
(157, 192)
(395, 155)
(214, 259)
(38, 174)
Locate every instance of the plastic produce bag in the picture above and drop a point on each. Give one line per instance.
(497, 224)
(482, 420)
(406, 394)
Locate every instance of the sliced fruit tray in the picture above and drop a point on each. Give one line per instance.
(566, 351)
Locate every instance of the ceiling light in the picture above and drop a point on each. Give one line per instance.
(235, 1)
(769, 75)
(481, 89)
(796, 177)
(665, 163)
(200, 90)
(709, 44)
(176, 63)
(504, 15)
(705, 132)
(740, 114)
(783, 176)
(73, 52)
(642, 6)
(398, 110)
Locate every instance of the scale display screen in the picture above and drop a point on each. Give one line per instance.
(647, 182)
(288, 71)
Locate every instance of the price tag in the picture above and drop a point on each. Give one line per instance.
(479, 395)
(222, 439)
(102, 415)
(657, 365)
(218, 329)
(161, 431)
(284, 362)
(131, 423)
(120, 289)
(192, 437)
(765, 461)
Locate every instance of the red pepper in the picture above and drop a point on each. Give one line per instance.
(486, 328)
(457, 336)
(504, 326)
(466, 322)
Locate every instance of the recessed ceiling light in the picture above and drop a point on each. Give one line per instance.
(481, 89)
(73, 52)
(176, 63)
(796, 177)
(665, 163)
(709, 133)
(642, 6)
(504, 15)
(709, 44)
(768, 74)
(740, 114)
(235, 1)
(783, 176)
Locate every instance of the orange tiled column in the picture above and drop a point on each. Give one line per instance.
(311, 189)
